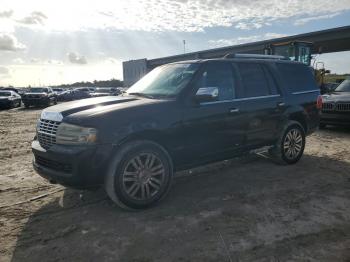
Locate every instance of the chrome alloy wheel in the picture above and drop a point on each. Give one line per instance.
(143, 176)
(293, 144)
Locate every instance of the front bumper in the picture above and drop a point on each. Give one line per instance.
(335, 118)
(36, 101)
(74, 166)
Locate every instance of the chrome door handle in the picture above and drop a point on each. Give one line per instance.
(280, 104)
(234, 110)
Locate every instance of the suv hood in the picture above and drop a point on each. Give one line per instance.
(90, 106)
(337, 97)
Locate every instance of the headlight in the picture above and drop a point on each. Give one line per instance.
(68, 134)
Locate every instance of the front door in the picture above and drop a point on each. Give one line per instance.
(214, 128)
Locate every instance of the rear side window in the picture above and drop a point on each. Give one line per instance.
(297, 77)
(254, 80)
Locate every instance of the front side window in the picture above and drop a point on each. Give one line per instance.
(219, 75)
(254, 81)
(165, 81)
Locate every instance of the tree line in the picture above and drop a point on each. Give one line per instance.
(96, 83)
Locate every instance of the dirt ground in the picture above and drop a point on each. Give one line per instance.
(247, 209)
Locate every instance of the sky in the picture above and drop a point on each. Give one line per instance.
(53, 42)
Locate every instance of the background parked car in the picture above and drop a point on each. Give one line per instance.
(39, 96)
(329, 87)
(9, 99)
(58, 90)
(74, 94)
(336, 106)
(105, 91)
(17, 91)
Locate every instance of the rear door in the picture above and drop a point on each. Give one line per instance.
(261, 102)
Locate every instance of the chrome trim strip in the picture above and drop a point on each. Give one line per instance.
(239, 99)
(305, 92)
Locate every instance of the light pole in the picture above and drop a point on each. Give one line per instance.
(184, 42)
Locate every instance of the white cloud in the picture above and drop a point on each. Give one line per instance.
(243, 39)
(75, 58)
(167, 15)
(35, 18)
(9, 42)
(4, 70)
(303, 21)
(6, 14)
(18, 60)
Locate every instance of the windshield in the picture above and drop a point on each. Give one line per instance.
(38, 90)
(164, 81)
(5, 93)
(344, 86)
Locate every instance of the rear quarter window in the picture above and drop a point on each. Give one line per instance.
(297, 77)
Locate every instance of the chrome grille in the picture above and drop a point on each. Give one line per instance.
(343, 107)
(327, 106)
(47, 132)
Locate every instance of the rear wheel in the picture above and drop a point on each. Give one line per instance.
(140, 175)
(290, 146)
(26, 105)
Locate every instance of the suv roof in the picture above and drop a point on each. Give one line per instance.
(240, 57)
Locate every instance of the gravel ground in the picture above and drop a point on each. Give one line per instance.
(247, 209)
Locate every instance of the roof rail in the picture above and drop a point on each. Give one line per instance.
(256, 56)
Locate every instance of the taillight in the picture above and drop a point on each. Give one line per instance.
(319, 102)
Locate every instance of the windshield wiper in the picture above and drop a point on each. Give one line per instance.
(141, 95)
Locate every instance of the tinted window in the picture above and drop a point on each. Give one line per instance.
(220, 75)
(253, 79)
(271, 81)
(297, 77)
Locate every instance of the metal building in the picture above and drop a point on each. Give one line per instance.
(325, 41)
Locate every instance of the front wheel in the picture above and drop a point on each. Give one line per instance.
(140, 175)
(290, 146)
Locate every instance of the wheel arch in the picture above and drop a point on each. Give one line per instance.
(300, 118)
(154, 136)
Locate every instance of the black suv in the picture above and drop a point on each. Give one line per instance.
(178, 116)
(39, 96)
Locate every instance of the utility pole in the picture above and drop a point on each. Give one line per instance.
(184, 41)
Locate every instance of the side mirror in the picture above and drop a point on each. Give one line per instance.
(207, 94)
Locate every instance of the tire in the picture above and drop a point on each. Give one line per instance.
(290, 145)
(26, 105)
(139, 176)
(19, 103)
(55, 101)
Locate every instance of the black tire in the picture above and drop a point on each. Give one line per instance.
(26, 105)
(55, 101)
(132, 188)
(290, 146)
(19, 103)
